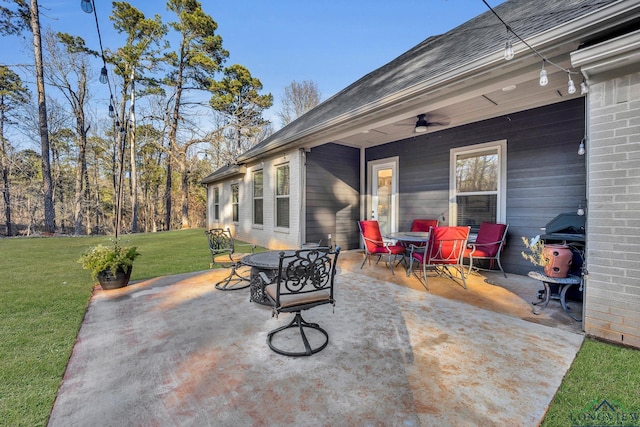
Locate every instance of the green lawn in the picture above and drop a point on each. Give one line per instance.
(44, 294)
(600, 372)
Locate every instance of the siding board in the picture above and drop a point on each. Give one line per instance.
(333, 195)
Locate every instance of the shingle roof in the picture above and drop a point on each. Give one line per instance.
(438, 55)
(223, 172)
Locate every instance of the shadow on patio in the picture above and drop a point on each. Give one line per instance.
(176, 351)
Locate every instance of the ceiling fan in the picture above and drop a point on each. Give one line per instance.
(422, 124)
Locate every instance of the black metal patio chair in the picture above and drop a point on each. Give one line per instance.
(305, 280)
(223, 254)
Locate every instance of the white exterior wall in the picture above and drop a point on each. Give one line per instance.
(266, 235)
(612, 293)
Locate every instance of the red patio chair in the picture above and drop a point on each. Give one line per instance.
(442, 254)
(488, 245)
(374, 244)
(423, 224)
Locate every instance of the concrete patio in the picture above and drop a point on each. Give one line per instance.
(176, 351)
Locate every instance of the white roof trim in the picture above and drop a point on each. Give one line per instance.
(623, 51)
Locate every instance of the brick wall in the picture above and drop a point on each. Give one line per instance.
(612, 296)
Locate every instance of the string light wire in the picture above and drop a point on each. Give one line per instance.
(571, 88)
(531, 48)
(104, 60)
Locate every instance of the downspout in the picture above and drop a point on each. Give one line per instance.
(302, 228)
(363, 189)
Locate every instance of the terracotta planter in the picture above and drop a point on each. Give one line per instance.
(110, 281)
(559, 258)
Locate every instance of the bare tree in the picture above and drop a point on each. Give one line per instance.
(139, 54)
(68, 68)
(299, 97)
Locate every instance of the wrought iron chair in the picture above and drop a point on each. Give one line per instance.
(223, 254)
(305, 280)
(374, 244)
(442, 254)
(488, 245)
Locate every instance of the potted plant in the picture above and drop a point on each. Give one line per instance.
(536, 255)
(110, 265)
(554, 259)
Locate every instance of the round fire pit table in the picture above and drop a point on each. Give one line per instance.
(262, 262)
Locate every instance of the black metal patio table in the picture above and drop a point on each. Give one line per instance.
(266, 262)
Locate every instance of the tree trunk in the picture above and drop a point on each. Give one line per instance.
(87, 198)
(173, 132)
(80, 174)
(49, 212)
(185, 197)
(5, 174)
(133, 179)
(121, 139)
(167, 193)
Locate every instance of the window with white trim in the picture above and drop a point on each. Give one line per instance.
(258, 201)
(282, 196)
(478, 184)
(235, 202)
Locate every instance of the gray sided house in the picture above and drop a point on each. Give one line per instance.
(498, 146)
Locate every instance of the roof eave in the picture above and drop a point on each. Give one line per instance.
(231, 172)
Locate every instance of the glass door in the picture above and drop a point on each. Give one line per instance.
(384, 196)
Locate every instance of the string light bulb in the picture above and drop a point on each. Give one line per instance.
(112, 112)
(103, 76)
(584, 88)
(581, 150)
(580, 210)
(571, 87)
(544, 80)
(508, 47)
(508, 51)
(87, 6)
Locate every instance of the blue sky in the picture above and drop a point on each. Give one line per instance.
(331, 42)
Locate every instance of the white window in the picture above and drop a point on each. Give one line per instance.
(478, 184)
(235, 191)
(258, 190)
(282, 196)
(216, 203)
